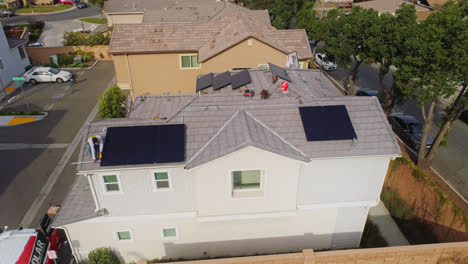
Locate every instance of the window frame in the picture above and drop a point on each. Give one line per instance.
(170, 238)
(104, 189)
(132, 238)
(261, 190)
(2, 63)
(153, 181)
(188, 55)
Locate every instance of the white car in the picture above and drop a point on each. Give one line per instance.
(322, 61)
(47, 74)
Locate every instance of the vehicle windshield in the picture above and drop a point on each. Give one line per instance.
(54, 71)
(415, 128)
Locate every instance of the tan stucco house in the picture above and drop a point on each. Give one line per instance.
(158, 58)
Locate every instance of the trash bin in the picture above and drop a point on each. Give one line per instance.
(53, 60)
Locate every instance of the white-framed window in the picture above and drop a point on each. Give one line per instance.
(249, 42)
(263, 66)
(189, 61)
(170, 233)
(111, 183)
(301, 65)
(247, 183)
(124, 235)
(1, 64)
(161, 181)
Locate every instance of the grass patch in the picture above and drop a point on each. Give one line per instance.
(371, 237)
(43, 9)
(94, 20)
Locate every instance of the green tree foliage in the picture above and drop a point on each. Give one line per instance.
(348, 38)
(82, 39)
(102, 256)
(259, 4)
(112, 103)
(430, 70)
(97, 2)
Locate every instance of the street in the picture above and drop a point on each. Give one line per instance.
(26, 168)
(92, 10)
(451, 162)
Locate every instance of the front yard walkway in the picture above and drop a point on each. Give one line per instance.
(387, 226)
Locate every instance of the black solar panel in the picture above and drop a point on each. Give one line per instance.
(204, 82)
(280, 72)
(144, 145)
(221, 80)
(240, 79)
(326, 123)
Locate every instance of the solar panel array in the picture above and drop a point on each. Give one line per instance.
(221, 80)
(280, 72)
(322, 123)
(144, 145)
(240, 79)
(204, 81)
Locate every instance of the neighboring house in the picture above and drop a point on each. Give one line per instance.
(143, 11)
(162, 58)
(390, 6)
(221, 174)
(11, 4)
(13, 58)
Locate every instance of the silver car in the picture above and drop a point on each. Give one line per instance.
(322, 60)
(47, 74)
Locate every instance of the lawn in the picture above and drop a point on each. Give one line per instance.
(94, 20)
(43, 9)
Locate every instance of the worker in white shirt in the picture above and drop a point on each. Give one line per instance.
(95, 147)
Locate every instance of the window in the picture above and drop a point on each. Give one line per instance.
(169, 233)
(124, 235)
(263, 66)
(21, 52)
(246, 180)
(111, 183)
(1, 65)
(189, 61)
(162, 181)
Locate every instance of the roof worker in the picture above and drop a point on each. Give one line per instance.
(95, 147)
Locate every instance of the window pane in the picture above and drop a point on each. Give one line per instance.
(110, 178)
(185, 61)
(112, 187)
(169, 232)
(124, 235)
(195, 61)
(161, 176)
(1, 65)
(246, 179)
(162, 184)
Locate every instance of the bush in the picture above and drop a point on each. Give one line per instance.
(65, 59)
(102, 256)
(112, 103)
(82, 39)
(27, 5)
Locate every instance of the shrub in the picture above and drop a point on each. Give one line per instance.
(112, 103)
(102, 256)
(101, 55)
(27, 5)
(65, 59)
(81, 39)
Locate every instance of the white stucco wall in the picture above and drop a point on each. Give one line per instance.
(213, 183)
(131, 18)
(307, 229)
(12, 62)
(138, 195)
(342, 180)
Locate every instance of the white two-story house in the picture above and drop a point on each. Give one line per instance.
(225, 174)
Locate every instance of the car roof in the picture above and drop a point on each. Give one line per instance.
(42, 68)
(408, 119)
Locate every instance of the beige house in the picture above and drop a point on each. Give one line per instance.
(390, 6)
(160, 58)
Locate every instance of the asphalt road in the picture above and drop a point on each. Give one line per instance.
(451, 162)
(25, 171)
(72, 14)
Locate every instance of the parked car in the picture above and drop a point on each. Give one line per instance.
(367, 92)
(409, 130)
(80, 5)
(6, 13)
(464, 116)
(67, 2)
(47, 74)
(322, 60)
(36, 44)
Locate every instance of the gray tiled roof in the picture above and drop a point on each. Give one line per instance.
(13, 43)
(78, 205)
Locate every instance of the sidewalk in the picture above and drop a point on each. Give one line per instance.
(387, 226)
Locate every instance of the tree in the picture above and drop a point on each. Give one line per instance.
(347, 38)
(428, 71)
(97, 2)
(102, 256)
(259, 4)
(112, 104)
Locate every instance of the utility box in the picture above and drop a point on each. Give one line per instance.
(53, 60)
(78, 59)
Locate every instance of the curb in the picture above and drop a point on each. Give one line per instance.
(36, 118)
(85, 68)
(37, 14)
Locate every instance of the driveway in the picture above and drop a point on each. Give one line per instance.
(451, 162)
(28, 166)
(52, 33)
(72, 14)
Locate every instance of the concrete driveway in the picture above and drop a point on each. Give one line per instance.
(28, 166)
(52, 33)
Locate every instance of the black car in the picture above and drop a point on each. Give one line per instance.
(81, 5)
(464, 116)
(409, 130)
(367, 92)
